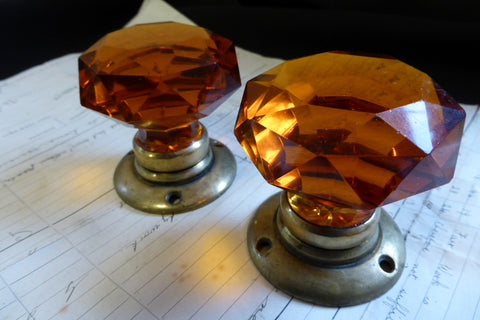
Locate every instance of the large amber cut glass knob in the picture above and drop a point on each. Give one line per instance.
(342, 134)
(161, 78)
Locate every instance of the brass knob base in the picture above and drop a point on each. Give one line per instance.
(332, 277)
(175, 192)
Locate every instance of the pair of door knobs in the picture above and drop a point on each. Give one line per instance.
(341, 133)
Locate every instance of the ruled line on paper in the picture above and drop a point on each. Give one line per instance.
(14, 302)
(66, 136)
(188, 254)
(218, 293)
(218, 267)
(285, 307)
(28, 274)
(208, 274)
(244, 289)
(139, 251)
(18, 240)
(81, 208)
(461, 273)
(122, 310)
(72, 286)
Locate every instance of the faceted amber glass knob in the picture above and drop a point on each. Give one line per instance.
(158, 76)
(349, 130)
(161, 78)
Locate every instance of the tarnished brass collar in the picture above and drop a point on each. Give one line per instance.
(174, 160)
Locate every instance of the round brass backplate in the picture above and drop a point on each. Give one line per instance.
(175, 197)
(328, 285)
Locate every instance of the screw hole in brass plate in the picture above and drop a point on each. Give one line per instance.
(386, 263)
(263, 245)
(174, 197)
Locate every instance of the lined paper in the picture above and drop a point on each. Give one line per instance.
(71, 249)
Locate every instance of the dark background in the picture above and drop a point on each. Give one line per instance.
(439, 37)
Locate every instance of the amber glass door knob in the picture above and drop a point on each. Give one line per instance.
(342, 134)
(161, 78)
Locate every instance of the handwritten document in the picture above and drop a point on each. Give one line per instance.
(70, 249)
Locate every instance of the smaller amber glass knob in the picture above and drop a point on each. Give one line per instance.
(161, 78)
(344, 134)
(158, 76)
